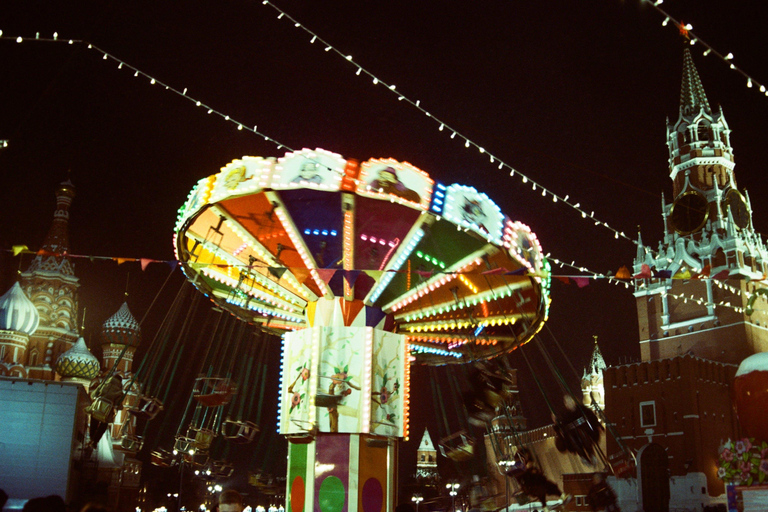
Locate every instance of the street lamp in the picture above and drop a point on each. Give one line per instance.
(453, 490)
(417, 498)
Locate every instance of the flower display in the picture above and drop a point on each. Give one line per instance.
(743, 462)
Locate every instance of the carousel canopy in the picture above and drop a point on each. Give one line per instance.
(267, 238)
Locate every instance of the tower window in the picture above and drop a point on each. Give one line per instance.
(648, 414)
(703, 132)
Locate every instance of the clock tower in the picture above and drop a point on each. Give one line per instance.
(696, 285)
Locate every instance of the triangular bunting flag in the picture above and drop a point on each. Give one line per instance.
(350, 276)
(277, 271)
(18, 249)
(144, 262)
(326, 274)
(497, 270)
(645, 272)
(722, 275)
(704, 272)
(623, 273)
(663, 274)
(173, 264)
(120, 261)
(518, 272)
(375, 274)
(350, 310)
(300, 273)
(683, 273)
(426, 274)
(563, 279)
(581, 282)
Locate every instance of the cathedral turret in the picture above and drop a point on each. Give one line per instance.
(78, 364)
(18, 320)
(120, 336)
(51, 285)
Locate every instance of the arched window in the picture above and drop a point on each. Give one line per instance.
(703, 132)
(33, 355)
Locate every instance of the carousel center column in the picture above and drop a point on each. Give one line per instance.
(344, 403)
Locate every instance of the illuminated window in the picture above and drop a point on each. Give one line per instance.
(648, 414)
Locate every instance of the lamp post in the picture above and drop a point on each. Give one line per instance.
(417, 498)
(453, 490)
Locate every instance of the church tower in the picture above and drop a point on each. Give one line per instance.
(698, 282)
(592, 387)
(426, 457)
(51, 285)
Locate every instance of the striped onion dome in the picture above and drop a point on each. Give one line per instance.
(78, 362)
(121, 328)
(17, 313)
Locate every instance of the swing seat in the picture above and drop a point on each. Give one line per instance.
(147, 407)
(102, 410)
(221, 469)
(213, 391)
(301, 438)
(305, 437)
(184, 444)
(131, 443)
(458, 446)
(197, 460)
(202, 437)
(161, 458)
(241, 432)
(326, 400)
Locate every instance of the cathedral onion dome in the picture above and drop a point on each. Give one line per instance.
(121, 328)
(78, 362)
(17, 313)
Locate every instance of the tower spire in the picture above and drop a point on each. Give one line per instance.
(692, 95)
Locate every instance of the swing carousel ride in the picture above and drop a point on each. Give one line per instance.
(364, 268)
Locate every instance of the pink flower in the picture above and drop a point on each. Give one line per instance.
(727, 455)
(743, 446)
(304, 373)
(764, 466)
(295, 400)
(745, 466)
(384, 395)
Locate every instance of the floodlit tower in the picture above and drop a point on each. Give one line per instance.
(51, 285)
(700, 278)
(592, 381)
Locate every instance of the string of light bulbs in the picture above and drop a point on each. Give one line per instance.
(444, 126)
(635, 281)
(152, 80)
(686, 29)
(376, 81)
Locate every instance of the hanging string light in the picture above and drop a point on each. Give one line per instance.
(686, 30)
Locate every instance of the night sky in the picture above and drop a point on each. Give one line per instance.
(572, 94)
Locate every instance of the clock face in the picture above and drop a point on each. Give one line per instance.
(689, 212)
(735, 202)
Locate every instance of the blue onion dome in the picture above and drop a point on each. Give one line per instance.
(78, 362)
(17, 313)
(121, 328)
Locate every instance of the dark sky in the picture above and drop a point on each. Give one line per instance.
(572, 94)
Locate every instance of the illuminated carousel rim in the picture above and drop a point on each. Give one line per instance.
(425, 352)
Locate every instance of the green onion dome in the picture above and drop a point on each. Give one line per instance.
(78, 362)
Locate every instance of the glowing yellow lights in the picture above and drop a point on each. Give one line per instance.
(467, 283)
